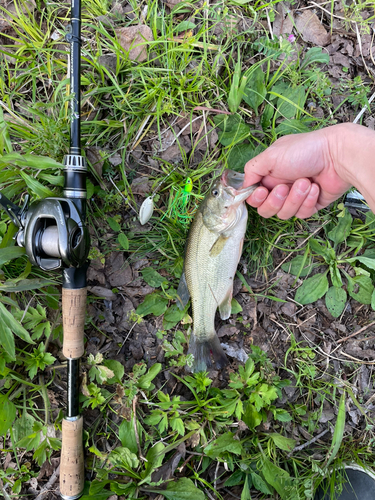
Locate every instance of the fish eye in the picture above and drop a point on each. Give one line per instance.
(215, 193)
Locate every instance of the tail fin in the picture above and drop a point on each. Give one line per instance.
(207, 354)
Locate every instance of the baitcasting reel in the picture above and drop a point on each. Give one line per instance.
(52, 231)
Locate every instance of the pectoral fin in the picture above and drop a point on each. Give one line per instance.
(183, 294)
(225, 307)
(218, 246)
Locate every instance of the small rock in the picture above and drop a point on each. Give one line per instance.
(136, 350)
(227, 330)
(289, 309)
(109, 61)
(133, 39)
(100, 291)
(235, 352)
(326, 416)
(311, 29)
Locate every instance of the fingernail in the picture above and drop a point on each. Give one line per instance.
(260, 195)
(303, 186)
(314, 190)
(281, 192)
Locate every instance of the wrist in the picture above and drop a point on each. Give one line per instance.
(352, 149)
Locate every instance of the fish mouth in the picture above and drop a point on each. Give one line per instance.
(233, 182)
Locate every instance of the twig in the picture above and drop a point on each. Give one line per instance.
(3, 491)
(359, 40)
(356, 333)
(305, 445)
(358, 117)
(357, 360)
(122, 345)
(52, 480)
(302, 243)
(269, 24)
(136, 430)
(216, 472)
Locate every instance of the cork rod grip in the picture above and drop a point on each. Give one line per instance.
(71, 464)
(73, 313)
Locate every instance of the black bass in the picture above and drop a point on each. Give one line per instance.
(213, 250)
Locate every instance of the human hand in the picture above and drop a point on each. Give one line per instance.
(299, 174)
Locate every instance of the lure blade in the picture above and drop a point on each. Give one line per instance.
(146, 210)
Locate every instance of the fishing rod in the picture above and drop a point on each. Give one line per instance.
(54, 234)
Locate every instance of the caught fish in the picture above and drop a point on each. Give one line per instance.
(213, 250)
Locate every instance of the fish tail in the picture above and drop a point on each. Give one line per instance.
(207, 354)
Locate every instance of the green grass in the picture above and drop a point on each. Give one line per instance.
(134, 105)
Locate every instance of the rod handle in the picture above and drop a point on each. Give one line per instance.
(72, 473)
(73, 314)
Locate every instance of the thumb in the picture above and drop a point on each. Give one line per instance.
(258, 167)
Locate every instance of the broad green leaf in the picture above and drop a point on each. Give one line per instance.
(299, 266)
(113, 224)
(315, 55)
(7, 340)
(152, 277)
(234, 136)
(123, 457)
(235, 307)
(183, 489)
(373, 300)
(35, 186)
(260, 484)
(335, 274)
(317, 248)
(145, 380)
(55, 180)
(360, 288)
(342, 230)
(282, 415)
(23, 426)
(30, 161)
(154, 459)
(103, 495)
(184, 26)
(276, 477)
(232, 129)
(172, 316)
(291, 126)
(236, 89)
(284, 443)
(255, 90)
(24, 285)
(338, 433)
(251, 416)
(8, 320)
(367, 261)
(123, 240)
(126, 434)
(117, 368)
(291, 101)
(224, 443)
(7, 414)
(245, 494)
(267, 115)
(9, 253)
(235, 479)
(312, 289)
(240, 154)
(153, 304)
(335, 300)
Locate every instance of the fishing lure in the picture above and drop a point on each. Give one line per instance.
(179, 203)
(147, 207)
